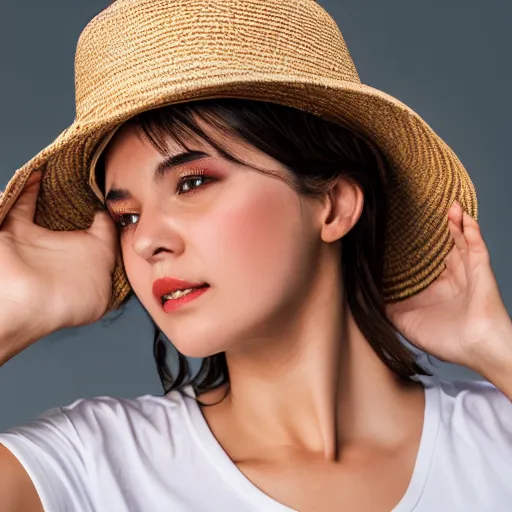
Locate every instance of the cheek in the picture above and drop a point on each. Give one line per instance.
(256, 242)
(255, 249)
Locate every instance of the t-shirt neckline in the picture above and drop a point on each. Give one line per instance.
(424, 457)
(248, 491)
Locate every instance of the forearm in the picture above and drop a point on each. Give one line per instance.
(495, 365)
(12, 342)
(501, 377)
(18, 333)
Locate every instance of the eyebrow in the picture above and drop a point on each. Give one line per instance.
(166, 165)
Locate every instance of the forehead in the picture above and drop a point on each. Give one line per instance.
(132, 139)
(132, 149)
(132, 146)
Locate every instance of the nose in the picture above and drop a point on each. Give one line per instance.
(156, 232)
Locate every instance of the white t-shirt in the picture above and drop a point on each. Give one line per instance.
(157, 454)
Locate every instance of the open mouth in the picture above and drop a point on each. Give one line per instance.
(179, 294)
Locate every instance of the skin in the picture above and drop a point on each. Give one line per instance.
(345, 439)
(313, 417)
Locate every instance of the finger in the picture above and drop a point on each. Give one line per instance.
(459, 261)
(103, 227)
(455, 216)
(25, 205)
(455, 267)
(460, 240)
(453, 260)
(473, 235)
(455, 213)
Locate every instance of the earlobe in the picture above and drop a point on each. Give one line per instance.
(343, 206)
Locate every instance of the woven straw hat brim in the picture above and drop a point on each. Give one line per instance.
(425, 174)
(138, 55)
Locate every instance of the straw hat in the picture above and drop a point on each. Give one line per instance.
(138, 55)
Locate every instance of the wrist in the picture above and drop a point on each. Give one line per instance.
(494, 361)
(17, 333)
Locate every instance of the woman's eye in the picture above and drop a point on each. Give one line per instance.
(123, 221)
(185, 186)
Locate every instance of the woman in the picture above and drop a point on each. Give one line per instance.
(286, 249)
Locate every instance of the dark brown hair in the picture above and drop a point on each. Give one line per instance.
(316, 152)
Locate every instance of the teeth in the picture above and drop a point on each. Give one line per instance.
(178, 293)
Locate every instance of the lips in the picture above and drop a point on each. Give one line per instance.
(168, 285)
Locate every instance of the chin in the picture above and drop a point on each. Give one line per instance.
(203, 335)
(197, 350)
(192, 341)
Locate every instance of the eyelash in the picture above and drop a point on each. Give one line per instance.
(184, 177)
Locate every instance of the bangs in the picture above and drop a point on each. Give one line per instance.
(239, 120)
(182, 123)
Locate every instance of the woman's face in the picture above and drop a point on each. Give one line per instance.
(248, 235)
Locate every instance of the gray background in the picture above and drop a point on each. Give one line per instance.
(448, 59)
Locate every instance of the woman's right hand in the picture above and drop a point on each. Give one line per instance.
(50, 280)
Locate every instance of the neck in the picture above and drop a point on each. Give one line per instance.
(317, 388)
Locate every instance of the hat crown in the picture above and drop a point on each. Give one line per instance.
(134, 47)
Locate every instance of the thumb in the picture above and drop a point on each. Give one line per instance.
(25, 205)
(103, 227)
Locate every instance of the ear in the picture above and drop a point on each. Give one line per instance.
(342, 208)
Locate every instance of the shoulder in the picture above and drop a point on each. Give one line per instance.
(87, 423)
(112, 413)
(89, 430)
(478, 398)
(469, 393)
(474, 410)
(95, 448)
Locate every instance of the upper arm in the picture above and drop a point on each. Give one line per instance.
(17, 492)
(43, 467)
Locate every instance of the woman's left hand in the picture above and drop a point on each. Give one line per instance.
(460, 318)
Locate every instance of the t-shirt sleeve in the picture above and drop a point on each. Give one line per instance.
(51, 451)
(483, 413)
